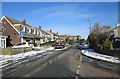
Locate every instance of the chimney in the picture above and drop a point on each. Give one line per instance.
(24, 22)
(50, 30)
(40, 27)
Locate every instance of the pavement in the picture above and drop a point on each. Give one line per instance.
(60, 63)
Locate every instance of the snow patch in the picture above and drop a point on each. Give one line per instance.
(5, 58)
(93, 54)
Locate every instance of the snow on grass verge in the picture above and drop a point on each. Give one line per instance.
(7, 59)
(62, 48)
(93, 54)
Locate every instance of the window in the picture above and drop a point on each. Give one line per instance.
(40, 33)
(24, 29)
(3, 29)
(33, 31)
(48, 35)
(37, 32)
(43, 34)
(28, 30)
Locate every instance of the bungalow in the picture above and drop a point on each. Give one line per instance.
(13, 30)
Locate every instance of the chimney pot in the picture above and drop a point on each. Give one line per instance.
(24, 22)
(50, 30)
(39, 27)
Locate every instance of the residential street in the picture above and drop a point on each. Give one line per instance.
(61, 63)
(60, 39)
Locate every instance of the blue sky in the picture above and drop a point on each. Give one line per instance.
(63, 17)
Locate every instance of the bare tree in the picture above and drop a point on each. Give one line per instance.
(98, 35)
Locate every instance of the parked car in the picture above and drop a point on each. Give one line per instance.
(23, 45)
(59, 45)
(83, 47)
(77, 46)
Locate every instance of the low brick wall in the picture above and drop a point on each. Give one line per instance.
(10, 51)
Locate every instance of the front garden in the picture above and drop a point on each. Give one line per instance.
(101, 40)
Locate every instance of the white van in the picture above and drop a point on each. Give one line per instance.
(23, 45)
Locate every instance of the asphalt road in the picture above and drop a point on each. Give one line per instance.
(61, 63)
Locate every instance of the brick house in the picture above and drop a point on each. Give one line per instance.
(63, 37)
(55, 36)
(2, 38)
(51, 35)
(45, 36)
(75, 38)
(13, 28)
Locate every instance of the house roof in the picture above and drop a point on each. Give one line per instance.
(14, 21)
(64, 35)
(115, 27)
(31, 35)
(48, 32)
(55, 34)
(43, 31)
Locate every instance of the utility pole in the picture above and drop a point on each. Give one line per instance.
(90, 29)
(90, 25)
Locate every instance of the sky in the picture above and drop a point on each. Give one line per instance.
(63, 17)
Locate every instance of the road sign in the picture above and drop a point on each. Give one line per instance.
(21, 33)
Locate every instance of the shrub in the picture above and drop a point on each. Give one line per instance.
(111, 46)
(108, 44)
(52, 44)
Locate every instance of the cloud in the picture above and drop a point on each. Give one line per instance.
(65, 11)
(66, 19)
(54, 8)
